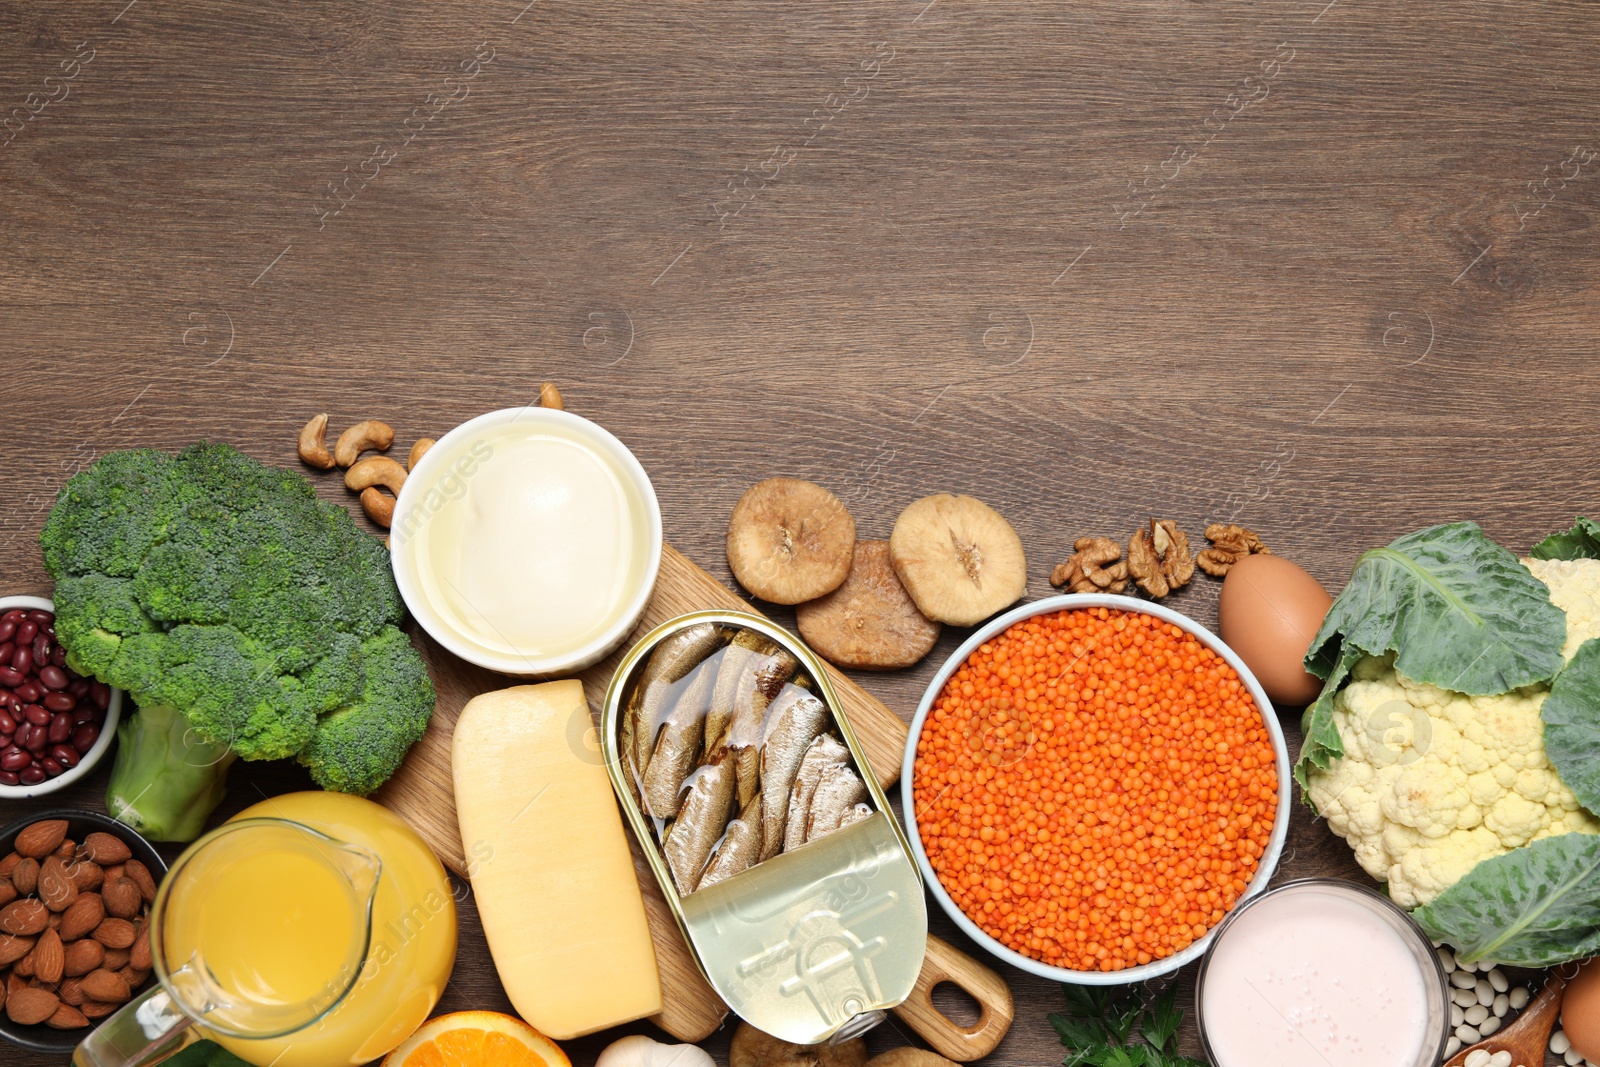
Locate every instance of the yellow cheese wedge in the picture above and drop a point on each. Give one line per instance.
(550, 866)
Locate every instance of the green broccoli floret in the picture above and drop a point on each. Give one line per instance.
(243, 615)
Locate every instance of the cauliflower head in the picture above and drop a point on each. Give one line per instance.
(1433, 782)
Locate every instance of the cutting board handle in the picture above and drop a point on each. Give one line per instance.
(946, 963)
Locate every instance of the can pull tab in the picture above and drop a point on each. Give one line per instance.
(857, 1026)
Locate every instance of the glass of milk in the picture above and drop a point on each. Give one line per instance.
(1326, 972)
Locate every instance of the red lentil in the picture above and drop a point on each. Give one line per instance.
(1095, 788)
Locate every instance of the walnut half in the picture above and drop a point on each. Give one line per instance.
(1159, 559)
(1230, 543)
(1096, 567)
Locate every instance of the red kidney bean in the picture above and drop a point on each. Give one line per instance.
(6, 630)
(26, 632)
(16, 615)
(36, 714)
(22, 659)
(9, 778)
(84, 735)
(5, 651)
(8, 725)
(42, 649)
(58, 657)
(60, 728)
(14, 759)
(53, 677)
(58, 702)
(42, 617)
(38, 739)
(29, 692)
(10, 676)
(7, 741)
(32, 775)
(65, 755)
(100, 693)
(50, 767)
(77, 687)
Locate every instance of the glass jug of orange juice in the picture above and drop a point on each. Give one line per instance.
(312, 930)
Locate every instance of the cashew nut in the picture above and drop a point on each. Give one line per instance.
(550, 397)
(370, 434)
(313, 446)
(375, 470)
(419, 450)
(378, 506)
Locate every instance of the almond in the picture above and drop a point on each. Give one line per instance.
(66, 851)
(134, 977)
(13, 949)
(113, 871)
(121, 898)
(9, 864)
(71, 992)
(67, 1018)
(87, 876)
(97, 1009)
(24, 918)
(139, 955)
(116, 958)
(106, 985)
(84, 915)
(40, 839)
(23, 968)
(8, 892)
(105, 849)
(14, 983)
(49, 957)
(25, 876)
(56, 888)
(112, 933)
(140, 875)
(81, 957)
(30, 1007)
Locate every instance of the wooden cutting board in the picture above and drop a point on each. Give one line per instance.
(422, 791)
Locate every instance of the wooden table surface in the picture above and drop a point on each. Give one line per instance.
(1327, 269)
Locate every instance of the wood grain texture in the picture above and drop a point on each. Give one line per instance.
(1365, 302)
(422, 793)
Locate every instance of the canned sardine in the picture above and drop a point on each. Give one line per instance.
(763, 822)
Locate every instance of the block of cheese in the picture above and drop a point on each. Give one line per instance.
(550, 866)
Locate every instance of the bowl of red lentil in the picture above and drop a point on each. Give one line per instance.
(1092, 783)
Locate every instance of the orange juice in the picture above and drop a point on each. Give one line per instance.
(274, 924)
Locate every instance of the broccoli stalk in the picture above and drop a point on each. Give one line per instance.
(247, 619)
(166, 781)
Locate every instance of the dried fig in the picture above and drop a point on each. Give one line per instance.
(958, 558)
(870, 621)
(790, 540)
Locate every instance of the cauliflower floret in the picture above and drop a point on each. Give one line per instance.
(1433, 782)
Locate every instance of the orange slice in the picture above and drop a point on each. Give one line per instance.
(477, 1039)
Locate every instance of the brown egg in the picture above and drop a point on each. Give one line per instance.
(1269, 612)
(1580, 1011)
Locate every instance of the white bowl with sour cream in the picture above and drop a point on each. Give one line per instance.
(527, 541)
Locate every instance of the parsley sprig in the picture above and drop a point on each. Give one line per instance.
(1120, 1027)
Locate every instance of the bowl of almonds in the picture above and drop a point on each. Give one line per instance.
(75, 895)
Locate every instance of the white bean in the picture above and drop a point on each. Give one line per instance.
(1490, 1025)
(1485, 992)
(1466, 998)
(1498, 979)
(1501, 1005)
(1519, 998)
(1559, 1043)
(1500, 1059)
(1447, 959)
(1573, 1057)
(1476, 1058)
(1468, 1035)
(1457, 1017)
(1475, 1015)
(1452, 1046)
(1463, 980)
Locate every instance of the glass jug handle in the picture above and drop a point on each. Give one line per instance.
(145, 1031)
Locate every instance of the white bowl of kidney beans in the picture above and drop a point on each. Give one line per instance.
(54, 725)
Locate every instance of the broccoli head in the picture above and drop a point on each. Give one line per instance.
(226, 594)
